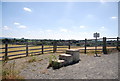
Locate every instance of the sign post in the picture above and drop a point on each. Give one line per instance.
(96, 35)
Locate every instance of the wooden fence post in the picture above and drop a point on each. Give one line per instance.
(85, 45)
(42, 49)
(118, 44)
(54, 46)
(6, 52)
(69, 45)
(26, 48)
(104, 46)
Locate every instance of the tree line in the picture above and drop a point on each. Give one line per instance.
(51, 42)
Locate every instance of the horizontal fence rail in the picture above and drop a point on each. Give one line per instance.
(17, 54)
(17, 47)
(57, 46)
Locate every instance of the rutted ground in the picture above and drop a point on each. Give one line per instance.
(90, 67)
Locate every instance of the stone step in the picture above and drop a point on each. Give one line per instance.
(68, 58)
(67, 55)
(58, 60)
(72, 50)
(57, 63)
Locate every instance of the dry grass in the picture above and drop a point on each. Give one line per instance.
(32, 60)
(9, 71)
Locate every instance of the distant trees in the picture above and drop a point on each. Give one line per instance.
(14, 40)
(59, 42)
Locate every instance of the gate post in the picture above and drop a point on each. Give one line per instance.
(6, 52)
(27, 48)
(104, 46)
(54, 46)
(85, 45)
(118, 44)
(69, 45)
(42, 49)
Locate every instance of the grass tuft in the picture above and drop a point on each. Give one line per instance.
(33, 59)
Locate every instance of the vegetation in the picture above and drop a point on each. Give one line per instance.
(53, 62)
(37, 44)
(51, 58)
(60, 42)
(9, 71)
(33, 59)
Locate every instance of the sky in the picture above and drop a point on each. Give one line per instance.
(59, 20)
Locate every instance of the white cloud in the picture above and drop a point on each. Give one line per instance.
(90, 16)
(114, 17)
(63, 30)
(27, 9)
(85, 33)
(102, 1)
(82, 26)
(6, 28)
(15, 23)
(102, 28)
(19, 25)
(48, 30)
(22, 26)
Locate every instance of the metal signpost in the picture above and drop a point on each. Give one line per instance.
(96, 35)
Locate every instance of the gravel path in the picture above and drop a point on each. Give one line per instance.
(90, 67)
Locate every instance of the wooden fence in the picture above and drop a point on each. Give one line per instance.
(52, 49)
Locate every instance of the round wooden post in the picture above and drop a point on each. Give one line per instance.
(85, 45)
(54, 46)
(26, 48)
(69, 45)
(6, 52)
(118, 42)
(96, 46)
(42, 48)
(104, 46)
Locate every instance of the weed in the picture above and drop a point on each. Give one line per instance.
(33, 59)
(33, 65)
(53, 62)
(51, 58)
(40, 67)
(9, 71)
(55, 65)
(40, 59)
(33, 70)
